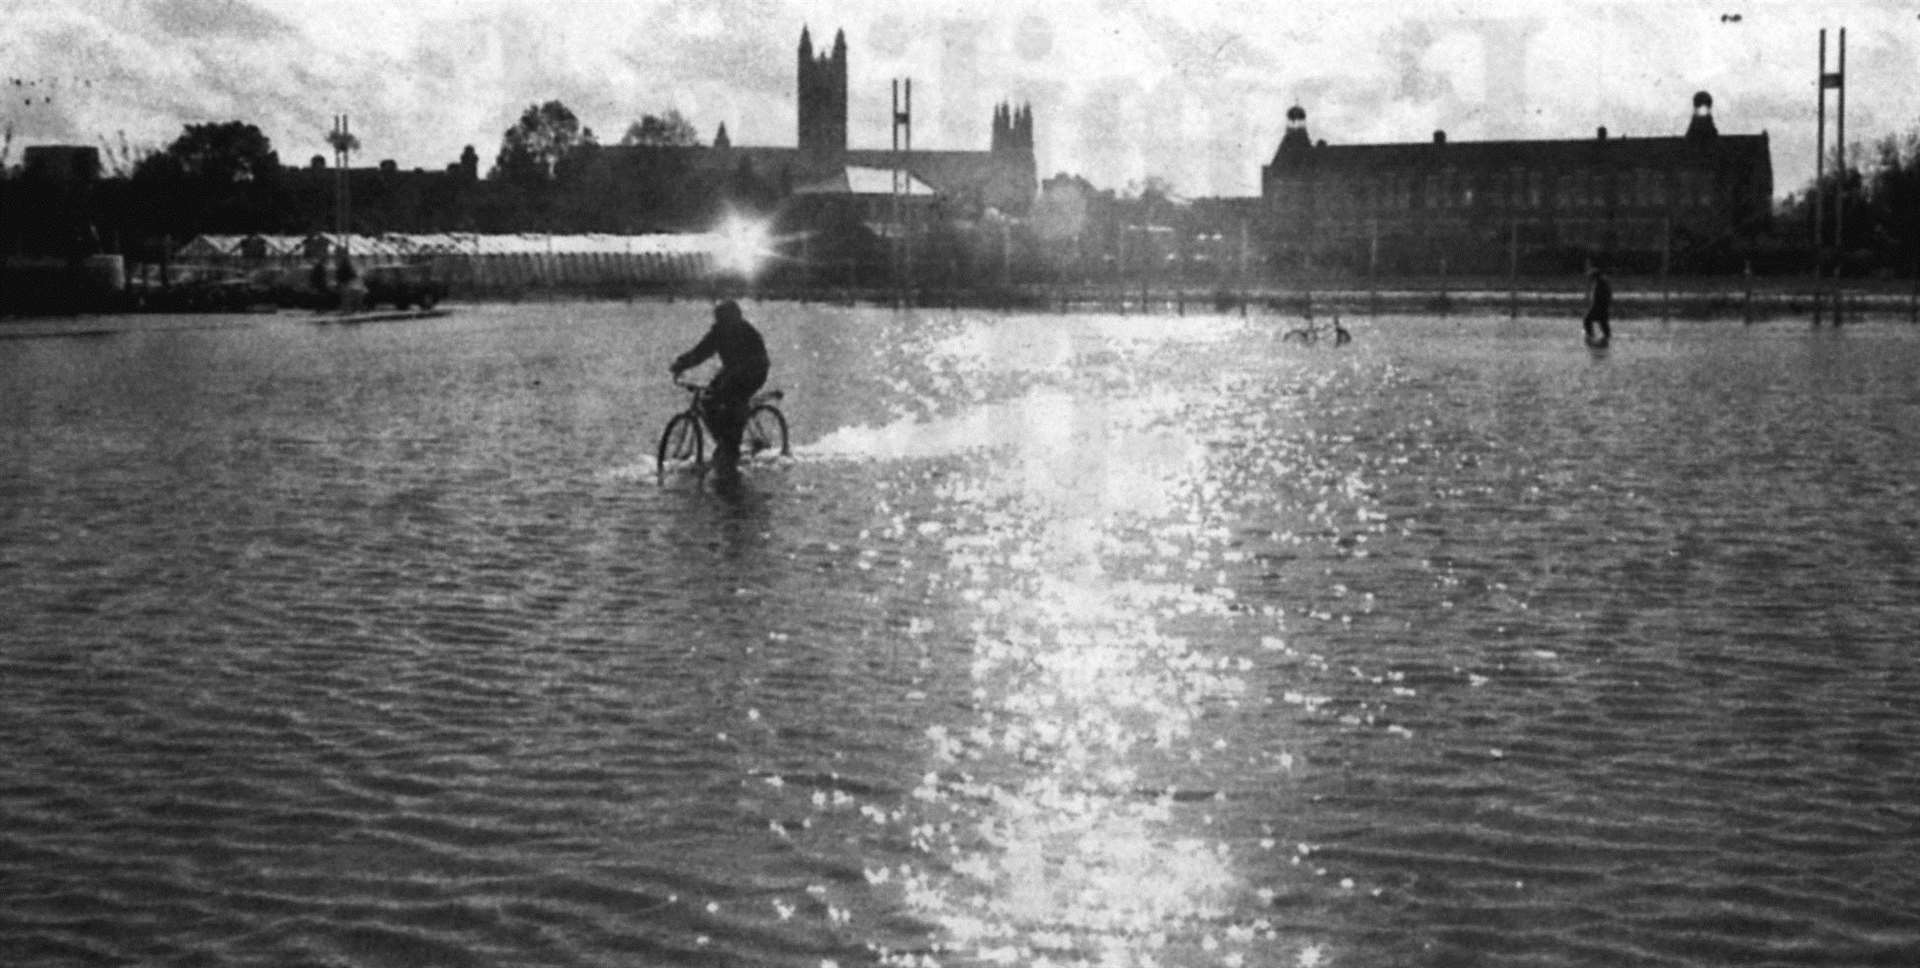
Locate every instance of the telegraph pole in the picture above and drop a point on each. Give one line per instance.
(1820, 159)
(1835, 81)
(1840, 187)
(902, 178)
(342, 141)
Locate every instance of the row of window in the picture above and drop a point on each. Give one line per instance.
(1635, 233)
(1517, 188)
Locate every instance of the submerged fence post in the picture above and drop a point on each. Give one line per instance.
(1666, 267)
(1373, 270)
(1746, 305)
(1240, 281)
(1513, 269)
(1819, 292)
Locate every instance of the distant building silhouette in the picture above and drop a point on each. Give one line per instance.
(823, 97)
(1002, 177)
(61, 164)
(1405, 207)
(1012, 130)
(1702, 126)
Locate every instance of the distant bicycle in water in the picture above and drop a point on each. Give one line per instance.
(684, 442)
(1311, 332)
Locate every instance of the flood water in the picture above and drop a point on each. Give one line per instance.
(1085, 639)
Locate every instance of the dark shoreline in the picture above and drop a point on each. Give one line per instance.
(1690, 299)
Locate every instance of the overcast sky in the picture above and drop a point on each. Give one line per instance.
(1195, 91)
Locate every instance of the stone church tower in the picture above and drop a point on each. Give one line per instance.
(823, 97)
(1012, 130)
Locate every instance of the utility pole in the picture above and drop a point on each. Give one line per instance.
(902, 178)
(343, 143)
(1836, 81)
(1840, 187)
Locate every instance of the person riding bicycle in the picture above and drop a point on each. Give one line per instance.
(743, 370)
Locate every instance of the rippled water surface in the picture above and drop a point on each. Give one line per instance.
(1060, 640)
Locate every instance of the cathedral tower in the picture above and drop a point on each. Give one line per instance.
(823, 96)
(1012, 130)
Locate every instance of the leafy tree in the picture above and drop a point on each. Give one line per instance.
(343, 141)
(1153, 190)
(666, 130)
(1866, 194)
(216, 154)
(533, 150)
(221, 177)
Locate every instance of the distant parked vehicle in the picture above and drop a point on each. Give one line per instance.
(200, 289)
(403, 286)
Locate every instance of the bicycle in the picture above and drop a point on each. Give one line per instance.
(684, 439)
(1310, 333)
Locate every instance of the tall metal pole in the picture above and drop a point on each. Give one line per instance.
(902, 179)
(342, 146)
(894, 200)
(1840, 187)
(906, 178)
(1820, 159)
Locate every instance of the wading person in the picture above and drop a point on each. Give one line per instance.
(743, 370)
(1599, 308)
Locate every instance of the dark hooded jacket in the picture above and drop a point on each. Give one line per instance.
(742, 352)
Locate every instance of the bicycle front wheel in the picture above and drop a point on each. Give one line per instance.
(681, 442)
(766, 432)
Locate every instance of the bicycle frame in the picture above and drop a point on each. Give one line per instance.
(698, 391)
(686, 431)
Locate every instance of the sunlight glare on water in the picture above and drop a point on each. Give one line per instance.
(1072, 844)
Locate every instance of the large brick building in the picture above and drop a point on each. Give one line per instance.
(1472, 206)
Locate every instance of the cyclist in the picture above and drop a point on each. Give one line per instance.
(743, 370)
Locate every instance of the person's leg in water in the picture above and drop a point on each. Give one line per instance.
(1596, 322)
(725, 417)
(729, 397)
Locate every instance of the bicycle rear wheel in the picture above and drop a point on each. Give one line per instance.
(766, 432)
(681, 442)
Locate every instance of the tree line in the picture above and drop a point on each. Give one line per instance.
(1877, 201)
(550, 174)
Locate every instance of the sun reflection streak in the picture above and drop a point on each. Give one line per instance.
(1087, 795)
(1057, 833)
